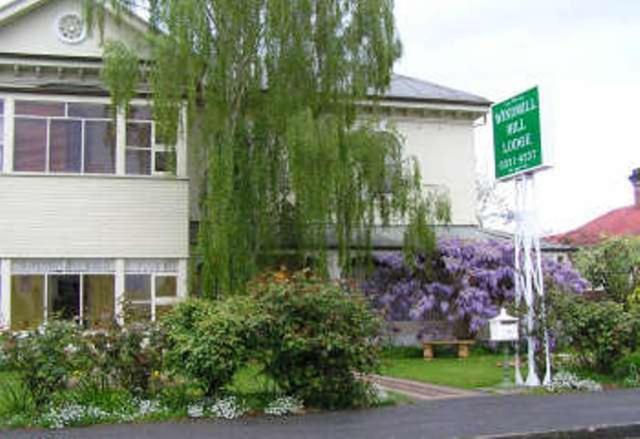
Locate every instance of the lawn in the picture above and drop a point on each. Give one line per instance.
(480, 370)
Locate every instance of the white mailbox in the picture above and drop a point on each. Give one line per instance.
(503, 327)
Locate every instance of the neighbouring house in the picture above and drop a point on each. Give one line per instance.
(624, 221)
(91, 217)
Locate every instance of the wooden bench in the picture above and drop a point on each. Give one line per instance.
(463, 347)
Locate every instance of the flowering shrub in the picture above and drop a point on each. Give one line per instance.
(465, 282)
(566, 381)
(284, 405)
(46, 358)
(316, 337)
(126, 357)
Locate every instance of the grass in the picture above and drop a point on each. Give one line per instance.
(480, 370)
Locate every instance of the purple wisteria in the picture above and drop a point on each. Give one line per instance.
(465, 282)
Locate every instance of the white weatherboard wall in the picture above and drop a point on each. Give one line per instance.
(35, 32)
(77, 217)
(446, 154)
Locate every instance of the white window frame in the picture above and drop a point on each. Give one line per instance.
(45, 292)
(83, 123)
(120, 122)
(154, 301)
(155, 147)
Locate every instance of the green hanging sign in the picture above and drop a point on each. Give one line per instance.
(517, 139)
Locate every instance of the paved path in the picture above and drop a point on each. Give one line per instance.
(448, 418)
(420, 391)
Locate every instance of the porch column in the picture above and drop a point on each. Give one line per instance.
(183, 278)
(181, 144)
(9, 111)
(119, 291)
(5, 293)
(121, 141)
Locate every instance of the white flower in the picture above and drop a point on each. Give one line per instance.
(148, 407)
(569, 381)
(145, 343)
(284, 406)
(70, 349)
(228, 408)
(195, 410)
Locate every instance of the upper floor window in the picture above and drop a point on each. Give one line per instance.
(146, 153)
(61, 137)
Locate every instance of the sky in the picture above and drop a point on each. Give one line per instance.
(585, 57)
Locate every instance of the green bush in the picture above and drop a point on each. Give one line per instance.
(209, 341)
(316, 340)
(127, 357)
(628, 366)
(600, 333)
(613, 265)
(46, 359)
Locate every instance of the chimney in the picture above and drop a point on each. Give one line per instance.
(635, 181)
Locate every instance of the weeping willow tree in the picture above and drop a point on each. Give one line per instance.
(290, 161)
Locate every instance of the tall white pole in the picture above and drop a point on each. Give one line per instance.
(518, 278)
(529, 279)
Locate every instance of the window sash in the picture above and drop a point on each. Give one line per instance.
(56, 151)
(76, 153)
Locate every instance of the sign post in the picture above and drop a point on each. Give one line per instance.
(519, 154)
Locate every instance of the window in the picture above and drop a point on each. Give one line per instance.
(63, 296)
(146, 153)
(82, 290)
(148, 296)
(166, 286)
(137, 294)
(27, 301)
(98, 300)
(61, 137)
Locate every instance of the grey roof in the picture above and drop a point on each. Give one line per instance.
(407, 88)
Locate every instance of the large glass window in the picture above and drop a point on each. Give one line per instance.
(27, 301)
(64, 137)
(82, 290)
(63, 296)
(98, 300)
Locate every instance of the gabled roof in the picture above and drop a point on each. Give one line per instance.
(401, 89)
(413, 89)
(12, 9)
(624, 221)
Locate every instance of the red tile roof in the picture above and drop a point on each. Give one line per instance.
(619, 222)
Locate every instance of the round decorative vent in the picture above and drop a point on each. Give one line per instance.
(71, 28)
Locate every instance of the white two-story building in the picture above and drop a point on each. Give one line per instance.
(90, 217)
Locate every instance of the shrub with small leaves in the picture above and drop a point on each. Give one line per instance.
(317, 338)
(628, 369)
(209, 341)
(600, 333)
